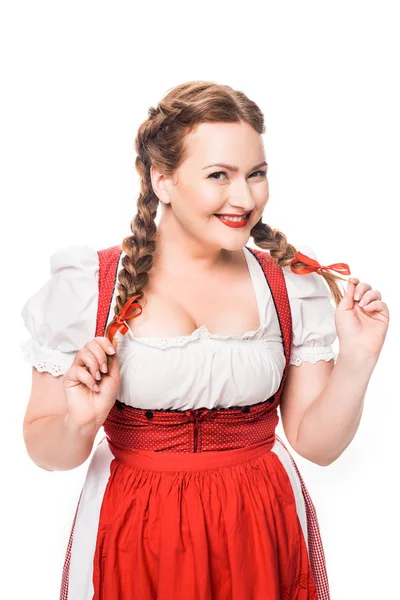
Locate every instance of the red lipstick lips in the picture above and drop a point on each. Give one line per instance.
(235, 224)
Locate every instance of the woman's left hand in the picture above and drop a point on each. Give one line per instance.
(361, 320)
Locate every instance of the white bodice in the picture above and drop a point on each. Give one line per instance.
(181, 372)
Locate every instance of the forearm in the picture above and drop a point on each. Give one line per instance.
(331, 422)
(54, 444)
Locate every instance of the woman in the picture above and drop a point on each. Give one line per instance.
(191, 494)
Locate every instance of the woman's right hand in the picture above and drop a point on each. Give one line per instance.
(85, 405)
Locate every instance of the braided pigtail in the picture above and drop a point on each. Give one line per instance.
(140, 246)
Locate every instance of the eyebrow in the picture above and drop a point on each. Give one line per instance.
(232, 168)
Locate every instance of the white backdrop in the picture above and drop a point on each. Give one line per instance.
(78, 79)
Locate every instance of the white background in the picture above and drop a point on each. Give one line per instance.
(77, 80)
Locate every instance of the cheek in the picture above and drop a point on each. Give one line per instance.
(261, 195)
(203, 199)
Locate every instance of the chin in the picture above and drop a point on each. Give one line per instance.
(236, 245)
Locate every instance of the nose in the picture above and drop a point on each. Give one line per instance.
(242, 198)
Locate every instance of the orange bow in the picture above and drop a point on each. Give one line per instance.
(118, 322)
(313, 265)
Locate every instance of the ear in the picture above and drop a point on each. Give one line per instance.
(160, 186)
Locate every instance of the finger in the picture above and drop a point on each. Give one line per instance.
(104, 342)
(85, 358)
(361, 288)
(348, 298)
(114, 366)
(347, 302)
(369, 296)
(376, 305)
(83, 375)
(108, 348)
(101, 356)
(351, 285)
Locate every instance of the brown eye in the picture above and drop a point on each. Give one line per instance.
(263, 173)
(217, 173)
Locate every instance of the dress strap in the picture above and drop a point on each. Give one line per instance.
(108, 272)
(277, 285)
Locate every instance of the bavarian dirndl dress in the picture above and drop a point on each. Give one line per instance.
(194, 504)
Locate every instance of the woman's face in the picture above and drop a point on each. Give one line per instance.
(199, 188)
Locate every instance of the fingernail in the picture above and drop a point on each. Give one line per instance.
(362, 303)
(104, 368)
(98, 376)
(111, 349)
(96, 388)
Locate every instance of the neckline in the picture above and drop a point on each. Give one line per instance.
(203, 328)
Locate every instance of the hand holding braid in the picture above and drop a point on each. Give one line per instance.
(91, 383)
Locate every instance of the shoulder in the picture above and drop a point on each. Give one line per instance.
(67, 299)
(313, 313)
(305, 285)
(61, 313)
(76, 256)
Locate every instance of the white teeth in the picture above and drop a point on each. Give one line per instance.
(233, 218)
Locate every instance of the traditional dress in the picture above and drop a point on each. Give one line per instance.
(190, 494)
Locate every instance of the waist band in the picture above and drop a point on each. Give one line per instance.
(194, 461)
(191, 431)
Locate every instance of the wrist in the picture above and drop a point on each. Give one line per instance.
(81, 431)
(356, 357)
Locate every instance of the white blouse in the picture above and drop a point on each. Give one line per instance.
(202, 369)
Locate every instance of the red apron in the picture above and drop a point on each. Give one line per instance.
(197, 505)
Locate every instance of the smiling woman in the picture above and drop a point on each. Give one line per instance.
(191, 473)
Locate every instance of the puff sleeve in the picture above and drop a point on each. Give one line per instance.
(61, 315)
(313, 315)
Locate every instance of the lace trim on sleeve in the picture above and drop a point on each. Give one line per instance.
(312, 354)
(46, 359)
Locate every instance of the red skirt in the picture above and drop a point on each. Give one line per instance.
(219, 524)
(198, 504)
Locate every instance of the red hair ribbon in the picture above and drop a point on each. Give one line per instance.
(118, 322)
(313, 265)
